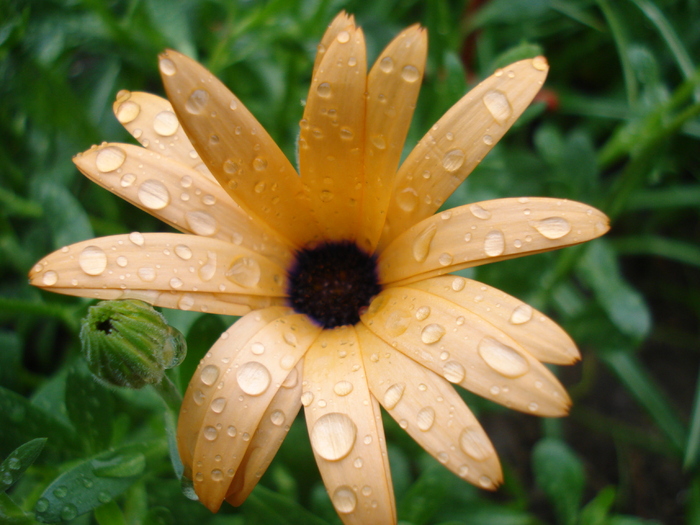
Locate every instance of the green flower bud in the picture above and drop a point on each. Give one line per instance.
(128, 343)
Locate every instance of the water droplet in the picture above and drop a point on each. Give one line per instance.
(257, 348)
(69, 512)
(197, 101)
(307, 398)
(209, 375)
(343, 37)
(277, 418)
(333, 436)
(217, 474)
(425, 418)
(176, 283)
(165, 123)
(326, 196)
(533, 407)
(475, 444)
(324, 90)
(183, 252)
(458, 284)
(488, 140)
(358, 463)
(346, 133)
(245, 272)
(454, 372)
(137, 238)
(410, 73)
(110, 158)
(233, 105)
(122, 261)
(497, 104)
(49, 278)
(443, 457)
(486, 482)
(253, 378)
(407, 199)
(93, 260)
(494, 243)
(342, 388)
(231, 167)
(479, 212)
(445, 259)
(201, 223)
(231, 431)
(553, 227)
(167, 67)
(522, 314)
(186, 302)
(393, 395)
(153, 194)
(378, 141)
(147, 274)
(453, 160)
(218, 405)
(127, 180)
(42, 505)
(60, 492)
(259, 164)
(128, 111)
(540, 63)
(397, 323)
(367, 491)
(386, 64)
(422, 313)
(421, 245)
(432, 333)
(502, 358)
(344, 499)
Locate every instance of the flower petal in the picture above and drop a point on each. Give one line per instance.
(152, 121)
(272, 430)
(341, 22)
(346, 430)
(203, 385)
(237, 149)
(331, 140)
(459, 141)
(247, 386)
(453, 342)
(431, 411)
(179, 196)
(487, 232)
(392, 87)
(160, 268)
(544, 339)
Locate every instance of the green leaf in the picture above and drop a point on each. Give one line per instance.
(10, 513)
(623, 304)
(559, 473)
(109, 514)
(426, 495)
(69, 222)
(18, 461)
(596, 511)
(93, 482)
(265, 506)
(91, 410)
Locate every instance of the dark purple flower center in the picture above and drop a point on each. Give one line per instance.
(332, 283)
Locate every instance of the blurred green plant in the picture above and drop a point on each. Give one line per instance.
(616, 126)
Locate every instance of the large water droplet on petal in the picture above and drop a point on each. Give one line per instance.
(342, 388)
(453, 160)
(432, 333)
(425, 418)
(167, 67)
(324, 90)
(553, 227)
(209, 374)
(201, 223)
(497, 104)
(393, 395)
(245, 272)
(454, 372)
(253, 378)
(344, 499)
(128, 111)
(475, 444)
(410, 73)
(197, 101)
(421, 245)
(494, 243)
(93, 260)
(333, 436)
(109, 159)
(502, 358)
(154, 195)
(479, 212)
(386, 64)
(521, 315)
(49, 278)
(407, 199)
(165, 123)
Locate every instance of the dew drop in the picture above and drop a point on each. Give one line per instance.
(454, 372)
(486, 482)
(410, 73)
(479, 212)
(378, 141)
(488, 140)
(386, 64)
(69, 512)
(324, 90)
(307, 398)
(393, 395)
(233, 106)
(217, 474)
(445, 259)
(502, 358)
(176, 283)
(432, 333)
(540, 63)
(497, 104)
(231, 167)
(128, 111)
(458, 284)
(167, 67)
(422, 313)
(93, 260)
(109, 159)
(475, 444)
(153, 194)
(421, 245)
(183, 252)
(210, 433)
(137, 238)
(147, 274)
(201, 223)
(494, 243)
(346, 134)
(344, 500)
(407, 199)
(553, 227)
(453, 160)
(122, 261)
(245, 272)
(425, 418)
(253, 378)
(218, 405)
(259, 164)
(533, 407)
(197, 101)
(186, 302)
(342, 388)
(231, 431)
(165, 123)
(209, 375)
(358, 463)
(42, 505)
(333, 436)
(49, 278)
(443, 457)
(257, 348)
(277, 418)
(521, 315)
(127, 180)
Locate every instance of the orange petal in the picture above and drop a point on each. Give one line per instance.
(237, 149)
(431, 411)
(463, 348)
(247, 385)
(342, 22)
(459, 141)
(392, 88)
(545, 340)
(346, 431)
(487, 232)
(331, 141)
(178, 195)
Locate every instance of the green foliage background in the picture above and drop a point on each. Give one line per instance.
(617, 126)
